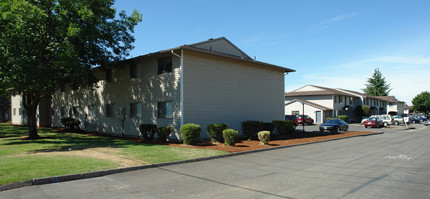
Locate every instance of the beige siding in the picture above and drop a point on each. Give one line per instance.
(218, 90)
(17, 110)
(220, 45)
(149, 89)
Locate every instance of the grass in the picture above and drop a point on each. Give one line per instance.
(19, 162)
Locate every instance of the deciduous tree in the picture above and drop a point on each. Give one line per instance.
(421, 102)
(45, 44)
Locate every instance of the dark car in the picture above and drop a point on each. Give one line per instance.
(414, 119)
(334, 125)
(374, 122)
(308, 120)
(292, 118)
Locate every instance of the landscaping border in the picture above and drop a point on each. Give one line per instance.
(71, 177)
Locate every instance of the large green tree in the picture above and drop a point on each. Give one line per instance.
(376, 85)
(45, 44)
(421, 102)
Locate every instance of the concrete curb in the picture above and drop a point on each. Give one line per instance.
(71, 177)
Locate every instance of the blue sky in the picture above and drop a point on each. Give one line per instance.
(335, 44)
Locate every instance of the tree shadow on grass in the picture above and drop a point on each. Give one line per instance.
(66, 141)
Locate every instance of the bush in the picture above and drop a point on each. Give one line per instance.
(268, 126)
(264, 137)
(190, 133)
(281, 127)
(251, 128)
(230, 136)
(148, 131)
(70, 123)
(215, 132)
(164, 132)
(343, 117)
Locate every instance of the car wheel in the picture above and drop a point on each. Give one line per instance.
(385, 124)
(336, 130)
(365, 126)
(396, 123)
(414, 122)
(346, 129)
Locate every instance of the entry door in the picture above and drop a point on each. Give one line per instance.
(318, 117)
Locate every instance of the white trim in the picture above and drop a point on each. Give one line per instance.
(182, 87)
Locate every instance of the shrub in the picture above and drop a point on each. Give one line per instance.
(70, 123)
(283, 127)
(343, 117)
(190, 133)
(148, 131)
(230, 136)
(264, 137)
(215, 132)
(251, 128)
(164, 132)
(268, 126)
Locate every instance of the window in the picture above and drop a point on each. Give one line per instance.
(63, 111)
(340, 99)
(335, 99)
(136, 110)
(110, 110)
(164, 65)
(14, 111)
(135, 71)
(295, 112)
(92, 110)
(76, 111)
(110, 75)
(165, 110)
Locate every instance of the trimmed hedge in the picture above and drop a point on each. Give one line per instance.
(215, 132)
(163, 133)
(148, 131)
(268, 126)
(230, 136)
(343, 117)
(70, 123)
(190, 133)
(251, 128)
(264, 137)
(283, 127)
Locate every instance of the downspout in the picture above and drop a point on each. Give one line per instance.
(181, 86)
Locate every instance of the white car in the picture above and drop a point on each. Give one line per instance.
(387, 119)
(426, 123)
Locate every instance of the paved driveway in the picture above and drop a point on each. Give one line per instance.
(395, 164)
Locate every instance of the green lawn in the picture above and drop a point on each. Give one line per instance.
(19, 163)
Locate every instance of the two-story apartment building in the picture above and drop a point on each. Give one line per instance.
(321, 103)
(203, 83)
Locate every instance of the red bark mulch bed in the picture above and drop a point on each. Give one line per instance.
(297, 138)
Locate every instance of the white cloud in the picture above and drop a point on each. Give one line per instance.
(326, 23)
(401, 60)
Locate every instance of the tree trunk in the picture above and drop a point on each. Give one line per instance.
(30, 104)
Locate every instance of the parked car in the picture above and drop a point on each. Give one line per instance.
(292, 118)
(414, 119)
(423, 119)
(334, 125)
(398, 120)
(426, 123)
(387, 119)
(374, 122)
(364, 119)
(308, 120)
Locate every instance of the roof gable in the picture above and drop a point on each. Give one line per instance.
(310, 88)
(221, 45)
